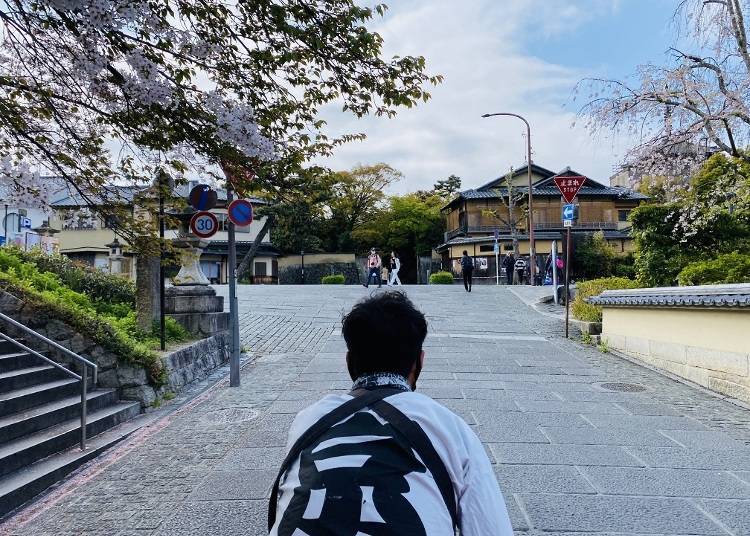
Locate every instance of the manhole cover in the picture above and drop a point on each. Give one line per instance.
(623, 387)
(230, 415)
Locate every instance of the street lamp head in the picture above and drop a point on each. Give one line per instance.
(486, 115)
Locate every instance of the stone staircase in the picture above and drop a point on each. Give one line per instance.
(40, 425)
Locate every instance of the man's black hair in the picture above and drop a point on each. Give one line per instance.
(384, 333)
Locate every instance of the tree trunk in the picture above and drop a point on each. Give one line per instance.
(250, 255)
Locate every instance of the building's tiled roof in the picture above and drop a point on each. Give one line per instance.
(545, 187)
(118, 194)
(724, 296)
(552, 191)
(521, 170)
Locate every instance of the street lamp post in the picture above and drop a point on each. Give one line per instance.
(302, 254)
(532, 244)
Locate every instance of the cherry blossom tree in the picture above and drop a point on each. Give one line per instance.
(103, 92)
(698, 100)
(510, 202)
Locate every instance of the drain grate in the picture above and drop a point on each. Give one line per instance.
(230, 415)
(623, 387)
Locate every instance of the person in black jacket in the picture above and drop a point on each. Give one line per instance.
(467, 269)
(508, 263)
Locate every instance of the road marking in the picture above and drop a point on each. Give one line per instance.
(488, 337)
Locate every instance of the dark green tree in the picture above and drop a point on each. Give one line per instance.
(709, 219)
(445, 188)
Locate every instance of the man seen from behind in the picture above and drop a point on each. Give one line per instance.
(384, 459)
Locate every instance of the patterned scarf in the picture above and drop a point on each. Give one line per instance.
(380, 379)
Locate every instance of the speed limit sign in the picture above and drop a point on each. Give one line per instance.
(203, 224)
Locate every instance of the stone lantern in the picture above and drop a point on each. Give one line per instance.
(115, 256)
(47, 240)
(190, 248)
(192, 301)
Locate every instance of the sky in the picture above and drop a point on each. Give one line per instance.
(520, 56)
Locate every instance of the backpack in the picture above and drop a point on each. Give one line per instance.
(467, 262)
(346, 499)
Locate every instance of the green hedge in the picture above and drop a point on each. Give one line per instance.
(441, 278)
(116, 330)
(593, 313)
(729, 268)
(336, 279)
(80, 277)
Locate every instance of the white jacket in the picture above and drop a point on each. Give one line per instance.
(481, 507)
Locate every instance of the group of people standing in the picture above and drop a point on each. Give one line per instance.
(510, 263)
(376, 269)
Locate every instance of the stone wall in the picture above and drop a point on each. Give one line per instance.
(697, 333)
(292, 275)
(196, 360)
(193, 361)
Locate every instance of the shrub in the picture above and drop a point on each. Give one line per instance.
(593, 313)
(80, 277)
(593, 257)
(337, 279)
(46, 293)
(624, 266)
(729, 268)
(441, 278)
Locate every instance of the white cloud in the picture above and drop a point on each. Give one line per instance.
(478, 46)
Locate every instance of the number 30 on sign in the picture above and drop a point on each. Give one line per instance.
(204, 224)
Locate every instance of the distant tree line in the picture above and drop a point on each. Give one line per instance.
(350, 211)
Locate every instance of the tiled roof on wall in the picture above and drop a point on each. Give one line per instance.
(725, 296)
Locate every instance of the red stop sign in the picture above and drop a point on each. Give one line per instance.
(569, 186)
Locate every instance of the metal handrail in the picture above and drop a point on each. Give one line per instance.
(85, 363)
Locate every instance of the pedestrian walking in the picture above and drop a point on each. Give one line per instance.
(353, 457)
(395, 267)
(520, 267)
(509, 263)
(467, 270)
(373, 268)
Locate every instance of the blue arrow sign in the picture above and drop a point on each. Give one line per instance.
(568, 212)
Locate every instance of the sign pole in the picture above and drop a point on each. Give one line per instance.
(567, 282)
(497, 267)
(234, 325)
(554, 268)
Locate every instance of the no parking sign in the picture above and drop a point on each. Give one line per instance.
(240, 212)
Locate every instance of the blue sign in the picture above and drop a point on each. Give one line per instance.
(240, 211)
(25, 222)
(569, 212)
(203, 197)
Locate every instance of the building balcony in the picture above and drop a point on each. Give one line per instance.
(538, 226)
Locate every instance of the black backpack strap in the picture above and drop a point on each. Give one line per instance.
(419, 440)
(362, 399)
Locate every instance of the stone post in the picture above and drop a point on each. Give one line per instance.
(147, 291)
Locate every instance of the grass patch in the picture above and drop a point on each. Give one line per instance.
(111, 324)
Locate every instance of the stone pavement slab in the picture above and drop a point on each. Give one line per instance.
(572, 457)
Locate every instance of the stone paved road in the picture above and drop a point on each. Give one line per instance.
(571, 456)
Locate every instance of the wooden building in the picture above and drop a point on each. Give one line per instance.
(470, 224)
